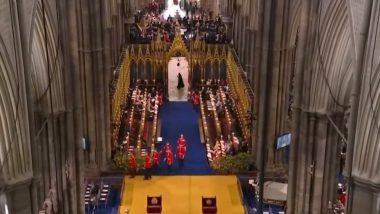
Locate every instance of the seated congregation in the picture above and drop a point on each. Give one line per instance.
(150, 23)
(218, 112)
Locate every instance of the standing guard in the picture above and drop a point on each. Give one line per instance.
(131, 161)
(147, 165)
(181, 150)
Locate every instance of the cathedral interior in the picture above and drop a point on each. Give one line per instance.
(228, 106)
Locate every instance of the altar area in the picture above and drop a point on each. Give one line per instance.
(173, 10)
(181, 194)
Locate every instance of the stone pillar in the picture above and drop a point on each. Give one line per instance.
(316, 164)
(24, 38)
(365, 196)
(363, 162)
(319, 161)
(74, 124)
(297, 112)
(240, 35)
(262, 57)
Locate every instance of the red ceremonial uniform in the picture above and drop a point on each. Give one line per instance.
(166, 147)
(166, 37)
(342, 198)
(156, 157)
(131, 160)
(169, 157)
(181, 150)
(147, 161)
(159, 98)
(196, 99)
(192, 96)
(181, 141)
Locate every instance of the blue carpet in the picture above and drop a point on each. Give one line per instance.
(177, 118)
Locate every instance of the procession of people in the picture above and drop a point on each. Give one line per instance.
(153, 159)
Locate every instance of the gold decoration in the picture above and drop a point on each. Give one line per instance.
(178, 46)
(154, 201)
(208, 202)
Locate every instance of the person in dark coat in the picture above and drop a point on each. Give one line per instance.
(180, 81)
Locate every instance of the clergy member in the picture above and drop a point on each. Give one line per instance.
(181, 151)
(181, 140)
(166, 147)
(180, 84)
(156, 158)
(169, 158)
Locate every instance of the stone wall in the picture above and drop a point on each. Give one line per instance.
(56, 59)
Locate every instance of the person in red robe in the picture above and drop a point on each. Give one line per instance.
(166, 147)
(147, 165)
(192, 97)
(156, 158)
(166, 37)
(181, 151)
(342, 198)
(131, 162)
(181, 140)
(160, 99)
(169, 158)
(195, 100)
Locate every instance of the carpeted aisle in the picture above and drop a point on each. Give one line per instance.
(177, 118)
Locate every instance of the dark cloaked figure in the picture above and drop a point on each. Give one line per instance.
(180, 81)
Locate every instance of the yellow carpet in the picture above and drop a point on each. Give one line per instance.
(181, 194)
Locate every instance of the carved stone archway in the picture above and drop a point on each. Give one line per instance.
(178, 48)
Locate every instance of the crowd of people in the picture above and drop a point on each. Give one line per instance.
(149, 23)
(228, 143)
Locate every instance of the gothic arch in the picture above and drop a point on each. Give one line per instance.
(148, 69)
(366, 157)
(208, 65)
(294, 22)
(39, 73)
(331, 75)
(133, 70)
(15, 156)
(178, 48)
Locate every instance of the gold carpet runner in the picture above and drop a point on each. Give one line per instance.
(181, 194)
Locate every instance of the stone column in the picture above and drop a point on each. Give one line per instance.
(261, 62)
(267, 31)
(316, 164)
(74, 123)
(240, 35)
(319, 161)
(297, 113)
(24, 38)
